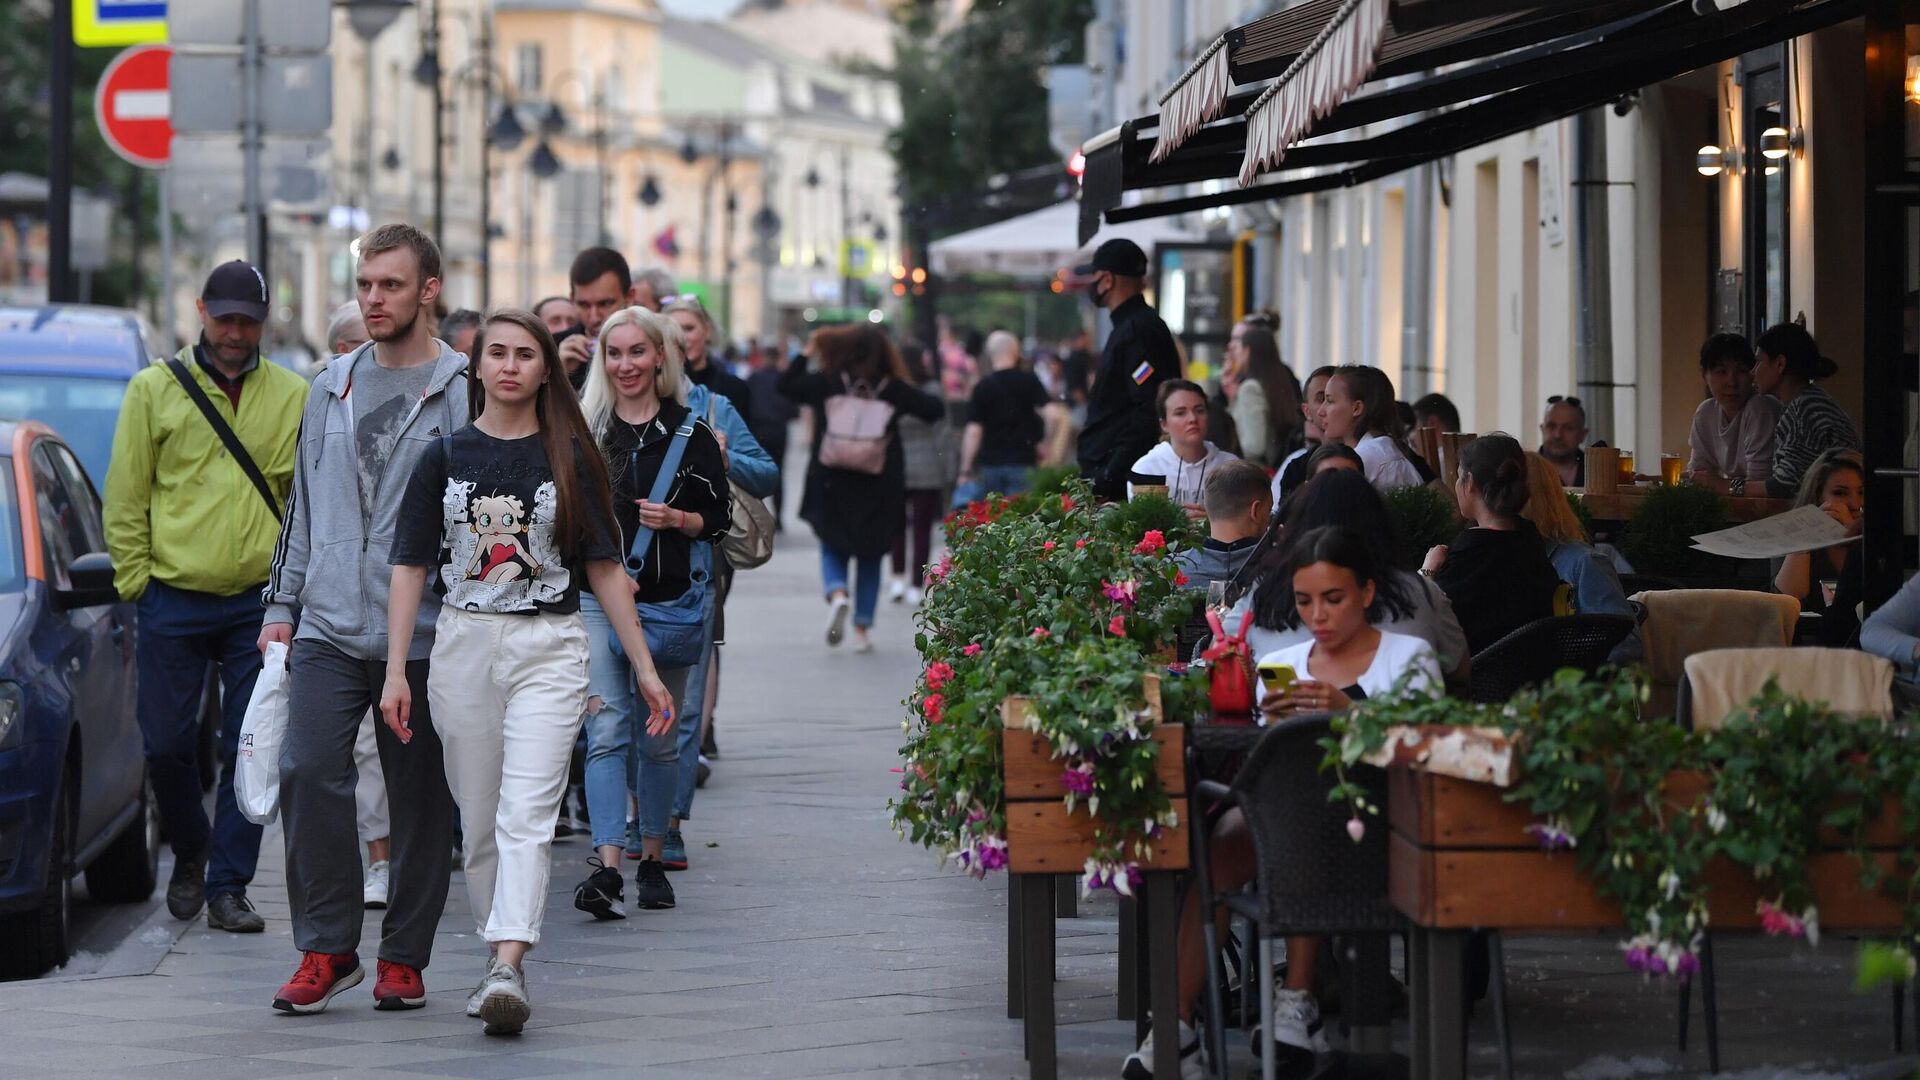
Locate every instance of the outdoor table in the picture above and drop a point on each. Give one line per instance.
(1461, 861)
(1622, 504)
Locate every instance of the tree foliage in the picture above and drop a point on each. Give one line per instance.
(974, 94)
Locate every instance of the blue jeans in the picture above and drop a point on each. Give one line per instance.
(866, 596)
(621, 756)
(1004, 479)
(181, 632)
(691, 713)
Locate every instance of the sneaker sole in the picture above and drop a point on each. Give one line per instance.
(504, 1014)
(670, 864)
(654, 905)
(248, 929)
(182, 913)
(600, 906)
(376, 905)
(837, 625)
(398, 1002)
(340, 985)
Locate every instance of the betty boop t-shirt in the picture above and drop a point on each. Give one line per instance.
(481, 510)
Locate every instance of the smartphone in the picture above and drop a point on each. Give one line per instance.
(1277, 678)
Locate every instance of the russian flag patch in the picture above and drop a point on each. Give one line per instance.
(1142, 373)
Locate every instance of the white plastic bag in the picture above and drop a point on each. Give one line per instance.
(256, 777)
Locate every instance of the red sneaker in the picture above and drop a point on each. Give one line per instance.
(398, 986)
(320, 977)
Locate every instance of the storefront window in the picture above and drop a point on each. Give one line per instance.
(1768, 226)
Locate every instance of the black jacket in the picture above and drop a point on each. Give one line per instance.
(856, 513)
(1498, 581)
(718, 379)
(1121, 421)
(634, 456)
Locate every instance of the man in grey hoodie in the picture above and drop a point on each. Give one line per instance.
(372, 414)
(1239, 500)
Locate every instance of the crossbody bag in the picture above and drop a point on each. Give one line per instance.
(225, 432)
(676, 629)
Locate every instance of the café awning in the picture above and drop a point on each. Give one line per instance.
(1040, 243)
(1535, 65)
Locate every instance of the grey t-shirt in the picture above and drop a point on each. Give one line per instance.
(382, 400)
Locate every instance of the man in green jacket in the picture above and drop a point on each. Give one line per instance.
(192, 534)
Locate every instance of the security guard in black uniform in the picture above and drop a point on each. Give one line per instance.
(1121, 422)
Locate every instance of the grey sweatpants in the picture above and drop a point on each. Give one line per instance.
(330, 692)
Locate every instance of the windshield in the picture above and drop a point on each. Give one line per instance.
(12, 572)
(81, 411)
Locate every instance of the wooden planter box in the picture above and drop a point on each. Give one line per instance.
(1461, 858)
(1042, 838)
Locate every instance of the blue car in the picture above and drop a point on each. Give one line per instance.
(74, 793)
(67, 366)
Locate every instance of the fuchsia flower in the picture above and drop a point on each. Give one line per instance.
(940, 570)
(1078, 777)
(1552, 834)
(1117, 626)
(1356, 829)
(1775, 921)
(972, 649)
(1125, 592)
(1041, 632)
(1180, 577)
(931, 705)
(939, 674)
(1152, 543)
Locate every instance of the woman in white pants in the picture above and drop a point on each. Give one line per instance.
(512, 511)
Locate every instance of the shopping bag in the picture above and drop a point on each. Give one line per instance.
(256, 775)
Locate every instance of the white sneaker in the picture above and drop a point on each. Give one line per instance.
(915, 596)
(1297, 1034)
(1139, 1064)
(375, 893)
(898, 591)
(503, 1000)
(837, 620)
(473, 999)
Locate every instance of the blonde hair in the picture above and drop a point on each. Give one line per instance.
(1547, 505)
(1813, 486)
(597, 397)
(693, 306)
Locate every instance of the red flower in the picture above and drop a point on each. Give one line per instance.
(1152, 543)
(931, 705)
(971, 650)
(1066, 502)
(1048, 546)
(1117, 626)
(1041, 632)
(939, 674)
(1078, 544)
(1180, 577)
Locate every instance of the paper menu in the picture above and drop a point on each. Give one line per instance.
(1804, 528)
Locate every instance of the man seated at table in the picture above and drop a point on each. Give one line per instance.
(1239, 503)
(1563, 437)
(1731, 442)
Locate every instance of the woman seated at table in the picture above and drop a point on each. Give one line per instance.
(1596, 584)
(1360, 411)
(1829, 582)
(1184, 458)
(1414, 606)
(1496, 573)
(1787, 361)
(1339, 594)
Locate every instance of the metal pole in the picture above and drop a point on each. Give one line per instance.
(1416, 285)
(486, 162)
(60, 155)
(250, 136)
(166, 258)
(1592, 267)
(846, 230)
(439, 132)
(728, 208)
(366, 132)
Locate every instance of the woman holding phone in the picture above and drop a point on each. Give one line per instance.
(511, 512)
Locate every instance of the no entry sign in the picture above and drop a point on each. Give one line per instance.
(133, 105)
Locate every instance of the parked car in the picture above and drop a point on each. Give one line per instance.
(74, 793)
(67, 366)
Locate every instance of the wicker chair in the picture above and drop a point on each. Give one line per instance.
(1534, 652)
(1311, 879)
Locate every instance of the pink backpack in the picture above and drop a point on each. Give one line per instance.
(858, 430)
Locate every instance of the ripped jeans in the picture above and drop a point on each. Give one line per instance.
(621, 756)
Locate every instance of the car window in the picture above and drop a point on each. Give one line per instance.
(85, 500)
(13, 571)
(83, 411)
(63, 532)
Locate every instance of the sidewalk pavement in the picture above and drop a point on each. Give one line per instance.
(810, 941)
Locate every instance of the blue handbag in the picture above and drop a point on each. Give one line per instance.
(676, 629)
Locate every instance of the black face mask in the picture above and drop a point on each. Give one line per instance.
(1098, 294)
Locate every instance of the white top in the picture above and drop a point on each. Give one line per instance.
(1432, 621)
(1397, 655)
(1278, 495)
(1387, 468)
(1186, 480)
(1731, 447)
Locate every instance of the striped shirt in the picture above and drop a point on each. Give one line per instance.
(1810, 425)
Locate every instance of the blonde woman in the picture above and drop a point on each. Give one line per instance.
(1596, 583)
(636, 401)
(1829, 581)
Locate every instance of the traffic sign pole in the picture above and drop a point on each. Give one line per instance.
(60, 153)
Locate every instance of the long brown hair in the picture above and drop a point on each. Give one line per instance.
(564, 434)
(1265, 367)
(860, 351)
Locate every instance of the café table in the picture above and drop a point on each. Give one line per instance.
(1625, 501)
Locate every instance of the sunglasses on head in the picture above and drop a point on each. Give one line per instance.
(683, 298)
(1565, 399)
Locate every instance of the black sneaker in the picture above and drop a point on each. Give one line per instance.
(708, 746)
(600, 895)
(651, 890)
(187, 892)
(233, 913)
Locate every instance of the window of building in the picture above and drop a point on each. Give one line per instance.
(528, 70)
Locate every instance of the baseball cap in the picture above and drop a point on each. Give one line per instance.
(236, 288)
(1116, 256)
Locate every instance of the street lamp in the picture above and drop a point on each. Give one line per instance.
(369, 17)
(554, 122)
(649, 192)
(505, 133)
(543, 163)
